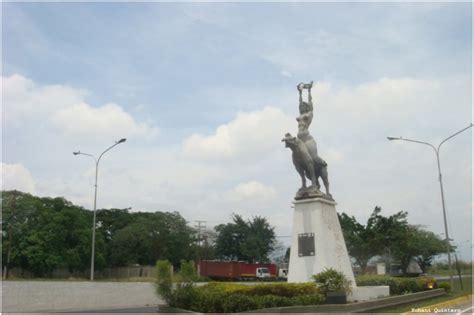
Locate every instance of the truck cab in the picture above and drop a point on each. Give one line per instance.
(283, 273)
(262, 273)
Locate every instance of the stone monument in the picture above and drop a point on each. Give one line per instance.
(317, 239)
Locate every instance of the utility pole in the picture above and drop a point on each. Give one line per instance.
(201, 224)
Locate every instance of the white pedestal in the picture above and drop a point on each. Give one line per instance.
(317, 218)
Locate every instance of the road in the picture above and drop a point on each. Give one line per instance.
(135, 310)
(466, 308)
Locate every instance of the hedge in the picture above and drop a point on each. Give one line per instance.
(279, 289)
(444, 285)
(398, 285)
(231, 298)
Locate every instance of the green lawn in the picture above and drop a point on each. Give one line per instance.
(467, 282)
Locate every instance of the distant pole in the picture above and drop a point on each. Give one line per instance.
(436, 150)
(95, 198)
(201, 224)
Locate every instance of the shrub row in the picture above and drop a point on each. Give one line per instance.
(444, 285)
(398, 285)
(232, 298)
(279, 289)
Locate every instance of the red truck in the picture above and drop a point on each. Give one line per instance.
(237, 270)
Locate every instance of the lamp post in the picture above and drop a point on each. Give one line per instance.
(95, 197)
(436, 150)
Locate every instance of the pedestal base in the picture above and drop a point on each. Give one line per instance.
(317, 241)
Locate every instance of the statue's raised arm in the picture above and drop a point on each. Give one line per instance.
(305, 107)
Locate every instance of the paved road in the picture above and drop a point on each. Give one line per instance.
(466, 308)
(456, 307)
(454, 276)
(135, 310)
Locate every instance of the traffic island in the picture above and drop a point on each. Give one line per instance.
(359, 307)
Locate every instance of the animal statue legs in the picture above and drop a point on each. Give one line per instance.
(300, 171)
(324, 176)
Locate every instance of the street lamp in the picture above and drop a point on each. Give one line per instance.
(95, 197)
(436, 150)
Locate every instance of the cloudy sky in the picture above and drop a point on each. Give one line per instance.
(204, 92)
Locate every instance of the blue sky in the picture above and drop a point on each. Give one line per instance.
(205, 91)
(165, 56)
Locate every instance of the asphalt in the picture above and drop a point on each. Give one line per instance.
(133, 310)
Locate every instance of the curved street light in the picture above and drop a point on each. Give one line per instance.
(95, 197)
(436, 150)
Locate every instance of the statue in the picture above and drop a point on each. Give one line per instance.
(305, 153)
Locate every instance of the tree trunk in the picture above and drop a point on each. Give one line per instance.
(363, 266)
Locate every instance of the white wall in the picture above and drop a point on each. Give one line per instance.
(28, 296)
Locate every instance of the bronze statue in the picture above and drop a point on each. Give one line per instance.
(305, 153)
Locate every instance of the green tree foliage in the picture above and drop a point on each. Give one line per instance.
(359, 239)
(43, 234)
(432, 245)
(366, 241)
(251, 240)
(46, 233)
(152, 236)
(419, 245)
(391, 234)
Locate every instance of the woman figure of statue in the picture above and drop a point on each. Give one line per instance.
(304, 121)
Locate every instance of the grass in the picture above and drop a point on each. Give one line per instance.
(456, 293)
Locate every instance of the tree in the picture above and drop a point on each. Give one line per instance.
(251, 240)
(46, 233)
(230, 238)
(150, 237)
(360, 240)
(431, 245)
(418, 245)
(260, 240)
(18, 209)
(379, 234)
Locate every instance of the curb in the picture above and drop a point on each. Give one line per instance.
(446, 304)
(359, 307)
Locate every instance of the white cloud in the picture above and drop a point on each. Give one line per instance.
(108, 120)
(62, 109)
(250, 133)
(252, 190)
(23, 99)
(16, 176)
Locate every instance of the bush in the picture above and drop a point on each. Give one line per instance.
(397, 285)
(187, 273)
(239, 303)
(164, 282)
(279, 289)
(444, 285)
(331, 280)
(231, 298)
(183, 295)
